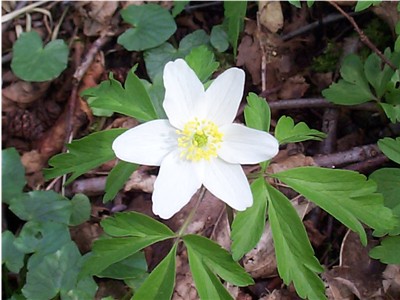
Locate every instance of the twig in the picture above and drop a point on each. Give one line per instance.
(363, 37)
(329, 126)
(22, 10)
(304, 29)
(368, 165)
(356, 154)
(316, 103)
(90, 55)
(78, 75)
(263, 57)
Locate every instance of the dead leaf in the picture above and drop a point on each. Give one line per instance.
(271, 15)
(97, 16)
(249, 53)
(283, 161)
(24, 93)
(53, 140)
(391, 281)
(294, 88)
(140, 181)
(357, 273)
(33, 163)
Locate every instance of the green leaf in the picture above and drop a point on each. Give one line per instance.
(353, 88)
(62, 266)
(397, 43)
(310, 3)
(12, 175)
(179, 6)
(388, 251)
(257, 113)
(391, 111)
(296, 3)
(219, 38)
(193, 40)
(135, 224)
(161, 281)
(207, 283)
(99, 112)
(117, 178)
(156, 92)
(42, 237)
(391, 148)
(352, 71)
(84, 154)
(361, 5)
(153, 25)
(32, 62)
(131, 267)
(345, 93)
(133, 100)
(377, 75)
(286, 132)
(202, 62)
(156, 58)
(294, 254)
(235, 12)
(108, 251)
(248, 225)
(84, 289)
(42, 206)
(217, 259)
(346, 195)
(138, 230)
(388, 181)
(11, 255)
(81, 209)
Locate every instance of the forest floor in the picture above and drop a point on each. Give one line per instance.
(289, 65)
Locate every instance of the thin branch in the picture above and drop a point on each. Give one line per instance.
(363, 37)
(316, 103)
(354, 155)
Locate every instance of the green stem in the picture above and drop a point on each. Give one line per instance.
(192, 212)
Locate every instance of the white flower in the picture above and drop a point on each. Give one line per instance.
(198, 144)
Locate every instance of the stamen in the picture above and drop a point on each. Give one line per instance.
(199, 139)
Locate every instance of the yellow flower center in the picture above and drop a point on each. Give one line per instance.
(199, 139)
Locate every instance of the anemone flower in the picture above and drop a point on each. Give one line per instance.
(199, 144)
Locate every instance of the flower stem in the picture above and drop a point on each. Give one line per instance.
(192, 212)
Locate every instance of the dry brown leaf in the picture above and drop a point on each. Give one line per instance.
(54, 139)
(97, 15)
(391, 281)
(294, 88)
(140, 181)
(25, 93)
(283, 161)
(271, 15)
(33, 163)
(249, 56)
(357, 274)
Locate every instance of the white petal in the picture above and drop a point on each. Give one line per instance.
(229, 183)
(245, 145)
(146, 144)
(224, 95)
(183, 92)
(177, 181)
